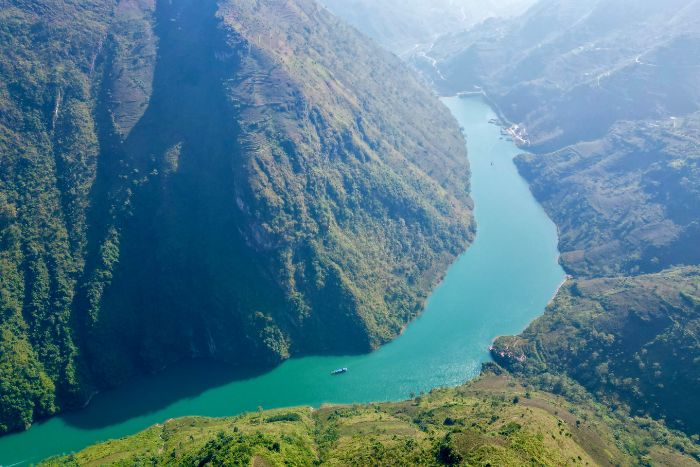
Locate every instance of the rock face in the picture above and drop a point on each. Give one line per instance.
(246, 180)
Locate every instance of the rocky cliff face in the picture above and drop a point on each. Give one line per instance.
(246, 180)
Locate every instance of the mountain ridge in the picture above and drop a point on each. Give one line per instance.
(548, 68)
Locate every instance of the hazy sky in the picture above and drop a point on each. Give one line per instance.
(399, 24)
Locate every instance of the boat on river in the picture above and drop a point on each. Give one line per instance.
(339, 371)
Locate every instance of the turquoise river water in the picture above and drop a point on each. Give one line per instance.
(497, 287)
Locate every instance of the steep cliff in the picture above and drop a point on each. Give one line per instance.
(246, 180)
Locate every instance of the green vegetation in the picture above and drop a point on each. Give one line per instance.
(263, 183)
(625, 204)
(630, 341)
(606, 103)
(476, 424)
(47, 163)
(266, 183)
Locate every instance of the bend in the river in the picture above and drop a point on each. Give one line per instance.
(497, 287)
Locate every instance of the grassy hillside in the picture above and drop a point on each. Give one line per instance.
(631, 341)
(245, 180)
(492, 421)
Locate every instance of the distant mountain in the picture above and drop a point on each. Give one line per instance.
(610, 88)
(568, 70)
(405, 26)
(243, 179)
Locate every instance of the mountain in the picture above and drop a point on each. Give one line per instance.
(627, 203)
(243, 180)
(495, 420)
(566, 70)
(410, 25)
(604, 96)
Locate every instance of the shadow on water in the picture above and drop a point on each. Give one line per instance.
(497, 287)
(178, 248)
(152, 393)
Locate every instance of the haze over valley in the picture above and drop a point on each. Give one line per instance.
(411, 26)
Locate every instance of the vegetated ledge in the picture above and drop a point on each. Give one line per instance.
(496, 419)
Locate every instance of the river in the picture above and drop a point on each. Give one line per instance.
(497, 287)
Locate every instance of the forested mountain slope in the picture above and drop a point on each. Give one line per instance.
(245, 180)
(631, 341)
(625, 204)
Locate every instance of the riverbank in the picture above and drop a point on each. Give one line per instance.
(376, 434)
(501, 284)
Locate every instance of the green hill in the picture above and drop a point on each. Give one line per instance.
(630, 341)
(246, 180)
(628, 203)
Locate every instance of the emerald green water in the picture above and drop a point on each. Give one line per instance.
(497, 287)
